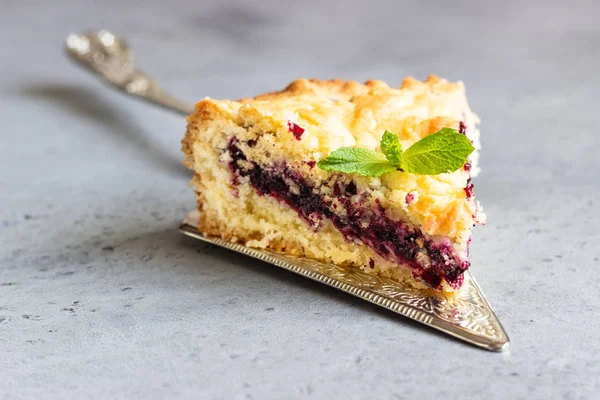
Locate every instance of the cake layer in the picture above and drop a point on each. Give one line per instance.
(257, 221)
(257, 183)
(357, 215)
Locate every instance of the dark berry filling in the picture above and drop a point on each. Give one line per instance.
(355, 218)
(469, 189)
(462, 128)
(295, 129)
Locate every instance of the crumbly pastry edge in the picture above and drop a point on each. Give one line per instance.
(208, 110)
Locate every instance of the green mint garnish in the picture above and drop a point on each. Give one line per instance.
(391, 148)
(351, 160)
(444, 151)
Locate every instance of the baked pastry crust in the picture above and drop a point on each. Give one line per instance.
(306, 121)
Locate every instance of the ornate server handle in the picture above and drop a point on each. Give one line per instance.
(106, 55)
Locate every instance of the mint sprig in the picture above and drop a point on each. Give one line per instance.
(444, 151)
(350, 160)
(391, 148)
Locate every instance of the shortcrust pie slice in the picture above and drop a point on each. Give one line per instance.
(270, 173)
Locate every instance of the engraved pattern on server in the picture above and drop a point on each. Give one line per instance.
(112, 59)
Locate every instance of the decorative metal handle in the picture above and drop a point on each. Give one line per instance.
(111, 58)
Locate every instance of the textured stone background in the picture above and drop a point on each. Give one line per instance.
(100, 297)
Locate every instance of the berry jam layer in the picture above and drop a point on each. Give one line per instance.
(355, 217)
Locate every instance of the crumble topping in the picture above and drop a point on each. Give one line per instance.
(345, 210)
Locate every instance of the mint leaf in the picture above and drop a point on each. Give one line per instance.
(444, 151)
(391, 148)
(359, 161)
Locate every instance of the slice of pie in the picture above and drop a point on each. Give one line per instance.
(257, 181)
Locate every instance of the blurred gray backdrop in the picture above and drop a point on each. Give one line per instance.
(100, 297)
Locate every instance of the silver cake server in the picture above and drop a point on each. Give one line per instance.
(106, 55)
(466, 315)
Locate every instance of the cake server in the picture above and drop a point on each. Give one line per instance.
(466, 315)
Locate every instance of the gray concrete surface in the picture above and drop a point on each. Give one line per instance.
(101, 297)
